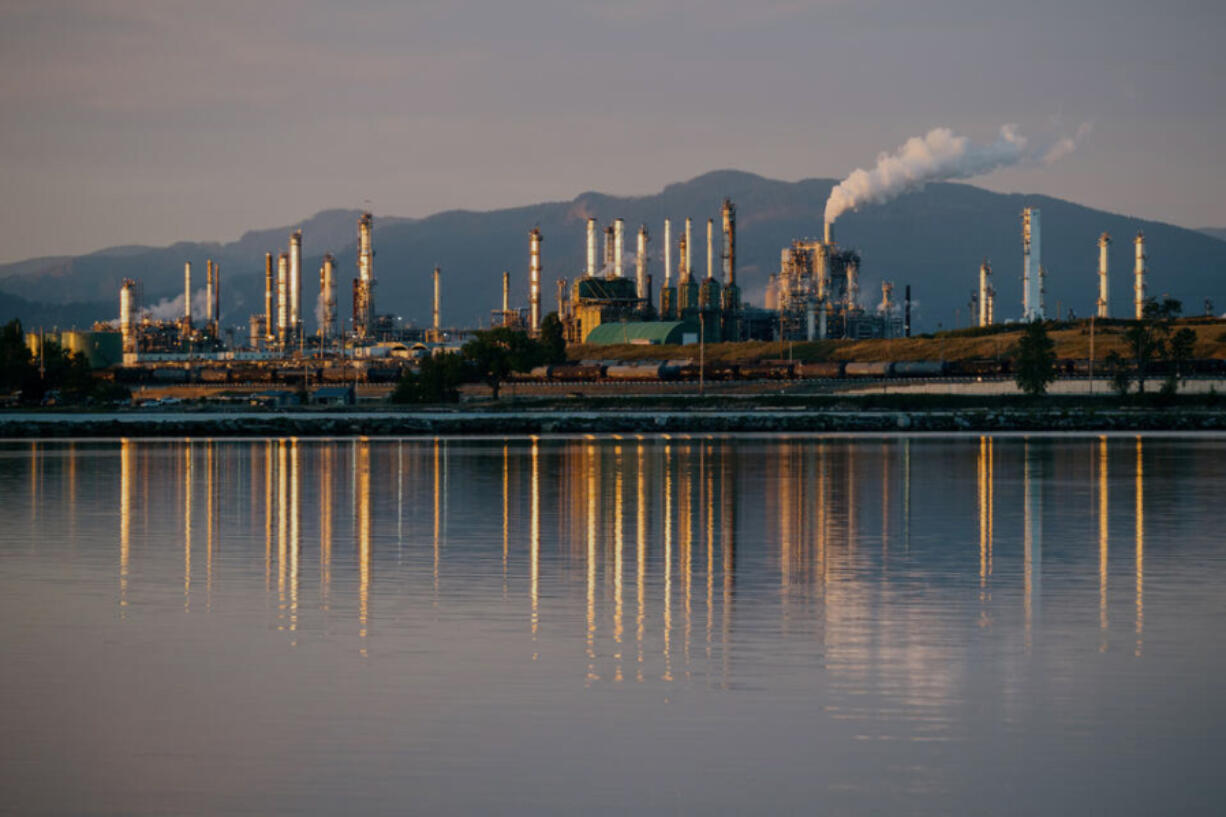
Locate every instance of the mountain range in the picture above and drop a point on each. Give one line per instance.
(933, 239)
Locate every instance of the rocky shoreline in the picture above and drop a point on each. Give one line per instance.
(461, 423)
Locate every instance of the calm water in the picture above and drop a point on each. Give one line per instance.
(722, 625)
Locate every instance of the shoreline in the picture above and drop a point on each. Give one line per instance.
(525, 422)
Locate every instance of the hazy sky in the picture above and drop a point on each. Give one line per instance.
(150, 121)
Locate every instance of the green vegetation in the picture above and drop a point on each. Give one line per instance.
(60, 376)
(490, 357)
(1035, 365)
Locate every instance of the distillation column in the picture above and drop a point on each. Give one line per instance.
(295, 282)
(619, 245)
(534, 281)
(282, 298)
(1138, 286)
(187, 296)
(1032, 261)
(208, 294)
(364, 306)
(1104, 241)
(269, 325)
(438, 302)
(127, 315)
(985, 293)
(591, 247)
(642, 290)
(506, 297)
(327, 298)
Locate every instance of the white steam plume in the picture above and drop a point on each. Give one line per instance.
(171, 309)
(937, 156)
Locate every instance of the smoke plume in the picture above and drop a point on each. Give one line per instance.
(937, 156)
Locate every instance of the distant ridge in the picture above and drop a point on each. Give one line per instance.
(933, 240)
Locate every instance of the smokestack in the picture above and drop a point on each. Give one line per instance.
(829, 232)
(282, 297)
(208, 293)
(710, 248)
(561, 297)
(906, 318)
(1032, 260)
(438, 299)
(619, 246)
(1104, 241)
(822, 271)
(269, 330)
(216, 296)
(506, 295)
(591, 247)
(327, 297)
(1138, 286)
(534, 280)
(187, 295)
(606, 262)
(853, 282)
(729, 216)
(127, 315)
(985, 293)
(641, 280)
(668, 253)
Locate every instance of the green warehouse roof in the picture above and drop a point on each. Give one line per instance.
(641, 332)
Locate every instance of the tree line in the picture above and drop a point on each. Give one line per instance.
(490, 357)
(57, 373)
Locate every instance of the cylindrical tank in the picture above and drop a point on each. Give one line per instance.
(668, 253)
(127, 315)
(295, 280)
(283, 297)
(591, 247)
(869, 369)
(641, 288)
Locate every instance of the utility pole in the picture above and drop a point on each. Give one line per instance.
(702, 346)
(1091, 355)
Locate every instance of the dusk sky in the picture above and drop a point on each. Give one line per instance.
(150, 122)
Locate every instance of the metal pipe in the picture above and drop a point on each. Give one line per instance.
(591, 247)
(534, 279)
(619, 246)
(1138, 286)
(1104, 241)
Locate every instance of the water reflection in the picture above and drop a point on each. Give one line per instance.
(654, 525)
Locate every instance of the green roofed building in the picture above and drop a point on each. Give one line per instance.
(645, 332)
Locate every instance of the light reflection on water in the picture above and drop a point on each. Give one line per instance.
(860, 625)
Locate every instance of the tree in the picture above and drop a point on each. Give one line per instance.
(1121, 378)
(1036, 360)
(437, 380)
(495, 353)
(17, 371)
(1180, 349)
(552, 339)
(1147, 337)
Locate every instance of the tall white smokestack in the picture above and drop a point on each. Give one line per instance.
(619, 246)
(187, 294)
(295, 281)
(216, 296)
(1104, 241)
(506, 295)
(668, 253)
(127, 315)
(985, 293)
(591, 247)
(534, 279)
(282, 297)
(1032, 260)
(640, 265)
(1138, 286)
